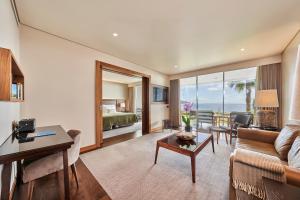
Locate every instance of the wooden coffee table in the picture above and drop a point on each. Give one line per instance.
(189, 148)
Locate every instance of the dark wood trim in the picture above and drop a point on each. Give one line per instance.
(121, 70)
(156, 129)
(66, 174)
(146, 79)
(88, 148)
(5, 180)
(98, 101)
(10, 74)
(146, 121)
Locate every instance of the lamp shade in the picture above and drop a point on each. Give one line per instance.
(266, 98)
(122, 105)
(295, 104)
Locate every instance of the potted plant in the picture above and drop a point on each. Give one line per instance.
(186, 116)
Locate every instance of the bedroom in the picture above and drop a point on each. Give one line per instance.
(121, 105)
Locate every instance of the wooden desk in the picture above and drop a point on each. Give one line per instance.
(11, 150)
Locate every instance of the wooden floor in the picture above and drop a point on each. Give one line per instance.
(51, 187)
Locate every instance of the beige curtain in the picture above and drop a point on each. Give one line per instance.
(131, 100)
(269, 77)
(175, 103)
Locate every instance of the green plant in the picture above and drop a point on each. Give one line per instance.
(239, 86)
(186, 119)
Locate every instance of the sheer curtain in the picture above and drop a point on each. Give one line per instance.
(295, 106)
(174, 103)
(269, 77)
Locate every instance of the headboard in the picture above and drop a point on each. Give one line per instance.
(115, 102)
(109, 102)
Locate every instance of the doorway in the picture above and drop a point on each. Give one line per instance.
(101, 68)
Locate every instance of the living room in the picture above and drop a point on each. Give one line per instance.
(220, 99)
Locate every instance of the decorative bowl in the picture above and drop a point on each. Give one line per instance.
(186, 135)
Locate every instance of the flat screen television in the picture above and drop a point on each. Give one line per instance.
(160, 94)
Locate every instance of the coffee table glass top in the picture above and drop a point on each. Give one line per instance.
(189, 145)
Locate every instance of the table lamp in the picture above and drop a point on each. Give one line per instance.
(122, 105)
(264, 100)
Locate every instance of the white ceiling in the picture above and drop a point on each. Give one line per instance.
(159, 34)
(119, 78)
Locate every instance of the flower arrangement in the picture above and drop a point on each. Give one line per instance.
(186, 117)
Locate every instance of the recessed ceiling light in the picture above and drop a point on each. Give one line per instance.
(242, 49)
(175, 66)
(115, 34)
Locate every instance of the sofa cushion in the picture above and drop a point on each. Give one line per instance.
(285, 140)
(253, 145)
(294, 154)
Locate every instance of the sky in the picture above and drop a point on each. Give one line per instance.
(213, 93)
(210, 87)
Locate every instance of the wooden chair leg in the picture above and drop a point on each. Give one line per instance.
(74, 171)
(226, 137)
(230, 136)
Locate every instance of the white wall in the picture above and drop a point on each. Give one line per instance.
(9, 38)
(138, 96)
(289, 57)
(60, 82)
(112, 90)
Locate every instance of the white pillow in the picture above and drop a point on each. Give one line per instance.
(109, 108)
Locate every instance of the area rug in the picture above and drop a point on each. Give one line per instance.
(126, 171)
(119, 131)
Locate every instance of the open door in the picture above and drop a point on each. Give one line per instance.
(146, 123)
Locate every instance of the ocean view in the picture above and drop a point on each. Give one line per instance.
(219, 107)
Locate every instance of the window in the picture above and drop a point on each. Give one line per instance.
(222, 93)
(239, 90)
(188, 93)
(210, 92)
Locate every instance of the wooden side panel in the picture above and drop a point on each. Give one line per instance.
(146, 121)
(98, 100)
(5, 75)
(121, 70)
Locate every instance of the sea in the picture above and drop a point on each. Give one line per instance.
(219, 107)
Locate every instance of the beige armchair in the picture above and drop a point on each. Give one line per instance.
(34, 169)
(264, 153)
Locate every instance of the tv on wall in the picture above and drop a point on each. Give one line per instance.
(160, 94)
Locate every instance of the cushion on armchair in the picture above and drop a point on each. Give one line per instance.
(285, 140)
(294, 154)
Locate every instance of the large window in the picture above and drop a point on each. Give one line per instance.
(210, 92)
(188, 92)
(239, 90)
(221, 93)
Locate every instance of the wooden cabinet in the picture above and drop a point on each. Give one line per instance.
(11, 78)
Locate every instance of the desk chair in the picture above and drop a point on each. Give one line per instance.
(37, 168)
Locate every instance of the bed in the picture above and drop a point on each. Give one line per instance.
(114, 119)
